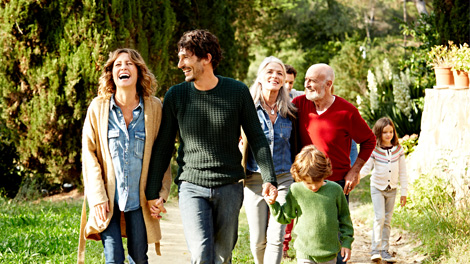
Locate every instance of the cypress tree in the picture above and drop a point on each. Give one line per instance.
(453, 20)
(51, 58)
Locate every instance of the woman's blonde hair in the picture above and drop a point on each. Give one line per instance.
(379, 128)
(146, 82)
(283, 100)
(311, 163)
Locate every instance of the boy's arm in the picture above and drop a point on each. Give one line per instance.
(285, 213)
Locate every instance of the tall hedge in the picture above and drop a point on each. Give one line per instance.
(51, 58)
(453, 20)
(52, 52)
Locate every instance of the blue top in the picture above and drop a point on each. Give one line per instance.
(278, 136)
(126, 146)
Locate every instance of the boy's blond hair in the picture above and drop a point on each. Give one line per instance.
(311, 163)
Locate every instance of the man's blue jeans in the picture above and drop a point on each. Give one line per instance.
(136, 238)
(210, 220)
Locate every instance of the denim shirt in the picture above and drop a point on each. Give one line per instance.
(126, 146)
(278, 136)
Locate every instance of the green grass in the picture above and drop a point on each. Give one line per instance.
(44, 232)
(47, 232)
(242, 252)
(441, 223)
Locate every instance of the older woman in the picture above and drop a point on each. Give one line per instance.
(119, 130)
(276, 115)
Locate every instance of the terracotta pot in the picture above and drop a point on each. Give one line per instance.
(460, 79)
(444, 77)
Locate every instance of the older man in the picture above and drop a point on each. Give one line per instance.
(330, 122)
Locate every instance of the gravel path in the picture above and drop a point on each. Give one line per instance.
(173, 244)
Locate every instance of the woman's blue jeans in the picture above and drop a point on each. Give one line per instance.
(136, 238)
(210, 220)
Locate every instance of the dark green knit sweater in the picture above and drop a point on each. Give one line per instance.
(208, 124)
(320, 215)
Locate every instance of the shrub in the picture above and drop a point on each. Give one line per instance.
(392, 95)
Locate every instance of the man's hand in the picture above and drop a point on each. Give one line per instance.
(156, 207)
(101, 210)
(350, 181)
(353, 178)
(269, 193)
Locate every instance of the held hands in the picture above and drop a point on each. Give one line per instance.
(269, 193)
(101, 210)
(403, 200)
(346, 254)
(156, 207)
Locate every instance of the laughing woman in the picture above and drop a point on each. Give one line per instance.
(277, 116)
(119, 130)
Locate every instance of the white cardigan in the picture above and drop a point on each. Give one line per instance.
(388, 166)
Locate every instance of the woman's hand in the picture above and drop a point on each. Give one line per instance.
(101, 210)
(156, 207)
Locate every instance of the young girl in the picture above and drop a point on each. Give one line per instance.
(388, 161)
(320, 207)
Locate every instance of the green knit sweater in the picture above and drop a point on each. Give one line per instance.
(208, 124)
(320, 215)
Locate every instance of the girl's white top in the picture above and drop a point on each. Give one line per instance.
(388, 166)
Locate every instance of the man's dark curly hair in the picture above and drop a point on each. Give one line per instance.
(200, 42)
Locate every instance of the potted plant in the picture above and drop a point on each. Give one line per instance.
(440, 57)
(461, 66)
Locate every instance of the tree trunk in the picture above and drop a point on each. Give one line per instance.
(421, 6)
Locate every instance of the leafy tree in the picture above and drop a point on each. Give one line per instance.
(52, 53)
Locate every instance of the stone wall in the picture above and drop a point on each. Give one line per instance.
(444, 142)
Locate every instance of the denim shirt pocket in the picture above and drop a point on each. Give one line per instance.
(139, 144)
(286, 129)
(113, 141)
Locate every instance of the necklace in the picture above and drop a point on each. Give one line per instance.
(272, 108)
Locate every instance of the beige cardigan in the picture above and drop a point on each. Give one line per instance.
(98, 171)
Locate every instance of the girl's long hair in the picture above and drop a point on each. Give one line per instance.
(379, 128)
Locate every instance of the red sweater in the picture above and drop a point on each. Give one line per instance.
(332, 131)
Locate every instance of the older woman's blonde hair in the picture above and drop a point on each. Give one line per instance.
(146, 82)
(283, 100)
(311, 163)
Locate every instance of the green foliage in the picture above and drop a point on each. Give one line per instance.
(11, 176)
(409, 143)
(452, 20)
(24, 239)
(425, 36)
(52, 53)
(440, 56)
(394, 95)
(461, 57)
(432, 213)
(350, 68)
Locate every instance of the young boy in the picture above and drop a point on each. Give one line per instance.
(320, 207)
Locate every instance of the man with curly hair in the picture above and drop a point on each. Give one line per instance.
(206, 112)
